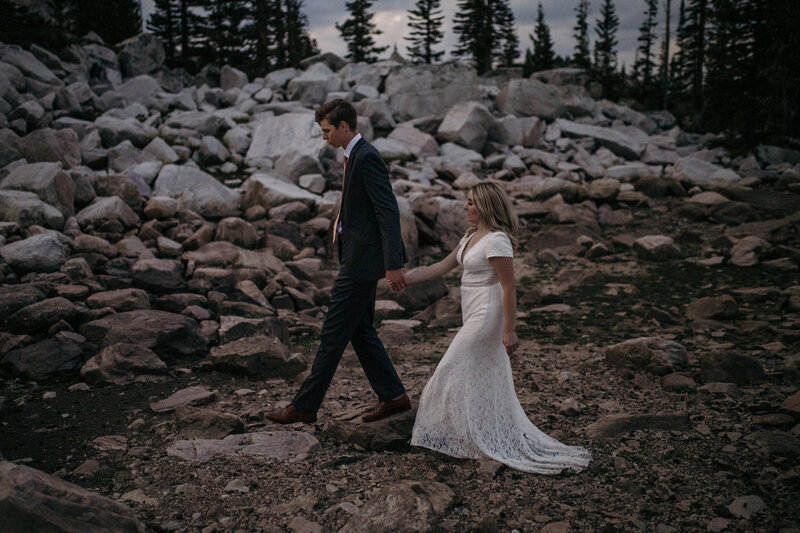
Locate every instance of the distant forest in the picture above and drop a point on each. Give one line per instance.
(733, 67)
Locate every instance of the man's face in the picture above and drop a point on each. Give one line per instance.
(335, 136)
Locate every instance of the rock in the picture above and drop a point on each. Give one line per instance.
(467, 124)
(108, 214)
(41, 253)
(257, 356)
(713, 308)
(699, 172)
(141, 54)
(274, 136)
(47, 181)
(110, 443)
(405, 506)
(119, 300)
(530, 97)
(419, 143)
(158, 274)
(778, 444)
(114, 131)
(236, 231)
(749, 251)
(615, 427)
(227, 255)
(161, 151)
(28, 65)
(198, 191)
(26, 209)
(649, 354)
(281, 445)
(212, 151)
(421, 91)
(65, 352)
(34, 501)
(556, 527)
(164, 333)
(187, 396)
(729, 367)
(41, 315)
(604, 189)
(89, 244)
(619, 143)
(746, 506)
(656, 248)
(792, 404)
(230, 78)
(392, 149)
(200, 122)
(60, 146)
(161, 207)
(121, 363)
(678, 383)
(391, 433)
(193, 422)
(141, 89)
(15, 297)
(267, 191)
(312, 86)
(233, 328)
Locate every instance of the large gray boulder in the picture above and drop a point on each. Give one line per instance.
(420, 144)
(699, 172)
(274, 136)
(467, 124)
(269, 191)
(198, 191)
(142, 89)
(27, 63)
(41, 253)
(26, 209)
(262, 356)
(64, 352)
(115, 130)
(164, 333)
(50, 145)
(531, 97)
(281, 445)
(416, 92)
(110, 212)
(200, 122)
(142, 54)
(121, 363)
(31, 500)
(619, 143)
(649, 354)
(313, 85)
(51, 184)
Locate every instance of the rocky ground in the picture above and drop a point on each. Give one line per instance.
(164, 276)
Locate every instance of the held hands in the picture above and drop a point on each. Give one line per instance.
(510, 341)
(396, 279)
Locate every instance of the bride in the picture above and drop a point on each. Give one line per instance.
(469, 407)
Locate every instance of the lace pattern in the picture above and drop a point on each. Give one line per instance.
(469, 407)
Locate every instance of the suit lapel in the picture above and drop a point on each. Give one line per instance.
(351, 162)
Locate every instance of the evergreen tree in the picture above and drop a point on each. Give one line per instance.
(605, 48)
(581, 58)
(644, 65)
(164, 22)
(483, 32)
(277, 36)
(18, 25)
(678, 81)
(508, 35)
(527, 66)
(299, 45)
(221, 33)
(113, 20)
(664, 59)
(695, 49)
(425, 21)
(358, 30)
(543, 55)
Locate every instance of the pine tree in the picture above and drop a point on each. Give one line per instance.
(164, 22)
(113, 20)
(543, 55)
(581, 58)
(276, 36)
(18, 25)
(664, 58)
(695, 53)
(483, 33)
(644, 65)
(425, 21)
(221, 31)
(299, 45)
(358, 30)
(508, 35)
(605, 48)
(678, 81)
(527, 66)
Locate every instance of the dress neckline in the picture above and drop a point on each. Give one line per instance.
(466, 243)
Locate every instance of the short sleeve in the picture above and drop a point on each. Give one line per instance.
(499, 245)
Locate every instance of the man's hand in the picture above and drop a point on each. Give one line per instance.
(397, 280)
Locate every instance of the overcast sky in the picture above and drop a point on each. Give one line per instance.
(391, 17)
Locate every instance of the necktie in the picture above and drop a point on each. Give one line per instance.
(339, 211)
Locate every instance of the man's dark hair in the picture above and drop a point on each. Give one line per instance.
(337, 111)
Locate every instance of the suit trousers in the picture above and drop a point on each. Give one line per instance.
(349, 319)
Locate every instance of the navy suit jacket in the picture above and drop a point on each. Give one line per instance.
(371, 241)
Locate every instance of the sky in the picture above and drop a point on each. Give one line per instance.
(391, 17)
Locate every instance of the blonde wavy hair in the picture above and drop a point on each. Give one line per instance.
(494, 209)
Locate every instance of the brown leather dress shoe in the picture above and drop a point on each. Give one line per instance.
(290, 415)
(387, 408)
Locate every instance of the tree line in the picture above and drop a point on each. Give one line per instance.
(728, 65)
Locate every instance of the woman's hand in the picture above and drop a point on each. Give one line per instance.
(510, 341)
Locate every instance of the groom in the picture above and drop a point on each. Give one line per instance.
(367, 231)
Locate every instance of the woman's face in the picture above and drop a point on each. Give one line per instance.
(472, 211)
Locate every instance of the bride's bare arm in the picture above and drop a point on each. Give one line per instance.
(435, 270)
(504, 266)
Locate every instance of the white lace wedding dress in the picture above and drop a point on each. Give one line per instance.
(469, 407)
